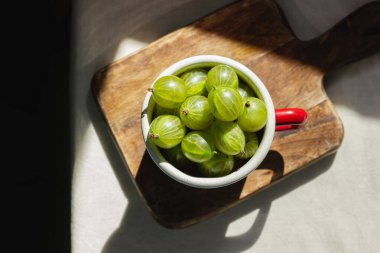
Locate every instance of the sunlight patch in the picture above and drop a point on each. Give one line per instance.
(127, 47)
(241, 225)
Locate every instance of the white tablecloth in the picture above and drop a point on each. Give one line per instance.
(331, 206)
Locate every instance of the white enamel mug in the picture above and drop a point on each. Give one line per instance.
(261, 91)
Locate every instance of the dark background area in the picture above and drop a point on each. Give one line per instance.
(36, 125)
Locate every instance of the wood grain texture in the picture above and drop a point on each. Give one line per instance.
(254, 33)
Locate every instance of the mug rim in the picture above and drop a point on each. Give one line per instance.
(243, 171)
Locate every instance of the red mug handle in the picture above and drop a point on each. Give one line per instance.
(289, 118)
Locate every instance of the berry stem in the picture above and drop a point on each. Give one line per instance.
(248, 104)
(153, 136)
(185, 112)
(150, 89)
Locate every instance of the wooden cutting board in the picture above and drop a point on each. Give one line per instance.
(254, 33)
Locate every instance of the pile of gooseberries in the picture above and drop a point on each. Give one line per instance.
(206, 117)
